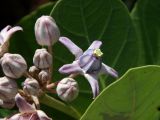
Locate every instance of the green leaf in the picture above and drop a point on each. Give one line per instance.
(135, 96)
(6, 112)
(146, 18)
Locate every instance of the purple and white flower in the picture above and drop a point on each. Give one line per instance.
(88, 63)
(27, 111)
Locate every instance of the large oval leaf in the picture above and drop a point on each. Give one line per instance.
(147, 22)
(135, 96)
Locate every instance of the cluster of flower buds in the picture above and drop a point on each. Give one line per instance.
(39, 76)
(47, 33)
(38, 79)
(13, 66)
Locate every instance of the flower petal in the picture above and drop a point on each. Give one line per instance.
(71, 68)
(8, 31)
(92, 79)
(73, 48)
(86, 61)
(15, 117)
(4, 30)
(108, 70)
(95, 44)
(13, 30)
(1, 40)
(42, 115)
(23, 105)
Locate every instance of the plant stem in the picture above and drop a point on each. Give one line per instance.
(52, 102)
(51, 67)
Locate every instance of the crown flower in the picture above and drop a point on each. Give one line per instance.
(88, 63)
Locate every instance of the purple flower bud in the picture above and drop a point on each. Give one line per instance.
(44, 76)
(9, 104)
(67, 89)
(13, 65)
(33, 71)
(42, 59)
(31, 86)
(46, 31)
(8, 88)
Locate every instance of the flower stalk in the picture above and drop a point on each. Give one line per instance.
(54, 103)
(50, 50)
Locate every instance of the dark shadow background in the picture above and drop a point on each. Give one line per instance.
(11, 11)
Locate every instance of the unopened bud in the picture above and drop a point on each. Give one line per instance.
(34, 71)
(44, 76)
(9, 104)
(67, 89)
(8, 88)
(31, 86)
(46, 31)
(42, 59)
(13, 65)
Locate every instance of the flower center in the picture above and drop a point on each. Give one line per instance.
(97, 53)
